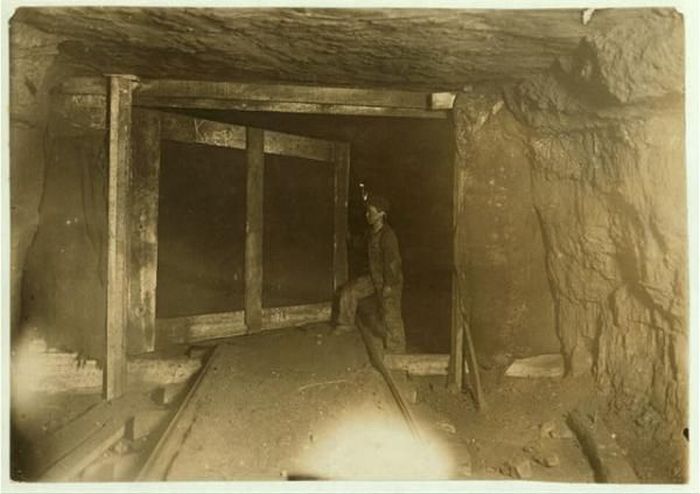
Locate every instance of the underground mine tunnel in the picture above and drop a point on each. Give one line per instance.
(189, 195)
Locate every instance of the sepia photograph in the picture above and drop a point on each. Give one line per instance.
(342, 245)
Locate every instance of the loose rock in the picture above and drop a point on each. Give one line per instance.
(548, 429)
(447, 427)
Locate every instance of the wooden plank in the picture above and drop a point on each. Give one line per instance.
(419, 364)
(182, 128)
(254, 229)
(69, 467)
(275, 107)
(211, 326)
(200, 327)
(61, 443)
(117, 240)
(272, 98)
(143, 231)
(442, 101)
(159, 461)
(604, 454)
(340, 214)
(282, 317)
(298, 146)
(282, 93)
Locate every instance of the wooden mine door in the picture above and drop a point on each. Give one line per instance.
(149, 129)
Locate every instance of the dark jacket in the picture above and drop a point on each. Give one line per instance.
(384, 258)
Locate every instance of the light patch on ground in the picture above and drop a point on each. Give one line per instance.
(376, 446)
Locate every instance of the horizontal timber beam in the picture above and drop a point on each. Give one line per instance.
(281, 93)
(181, 128)
(274, 107)
(275, 98)
(191, 329)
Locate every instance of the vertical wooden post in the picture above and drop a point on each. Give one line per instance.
(456, 374)
(114, 383)
(143, 231)
(254, 228)
(340, 208)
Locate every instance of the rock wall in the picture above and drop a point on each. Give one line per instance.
(501, 258)
(64, 292)
(604, 134)
(32, 55)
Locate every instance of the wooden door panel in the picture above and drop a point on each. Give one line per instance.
(150, 127)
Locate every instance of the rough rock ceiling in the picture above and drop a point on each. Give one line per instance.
(407, 48)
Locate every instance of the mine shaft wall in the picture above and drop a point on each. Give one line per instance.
(64, 285)
(56, 196)
(574, 212)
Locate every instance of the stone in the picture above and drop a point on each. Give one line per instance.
(166, 395)
(446, 426)
(522, 469)
(519, 468)
(145, 422)
(548, 459)
(465, 468)
(101, 470)
(127, 466)
(547, 429)
(122, 446)
(551, 365)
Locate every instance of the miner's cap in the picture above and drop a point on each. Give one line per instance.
(380, 202)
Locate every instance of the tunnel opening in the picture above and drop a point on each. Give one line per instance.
(409, 161)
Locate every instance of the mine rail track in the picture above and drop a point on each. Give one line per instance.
(377, 361)
(161, 456)
(163, 453)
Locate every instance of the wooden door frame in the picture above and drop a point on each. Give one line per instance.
(137, 309)
(256, 143)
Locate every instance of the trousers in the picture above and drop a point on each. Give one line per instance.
(389, 307)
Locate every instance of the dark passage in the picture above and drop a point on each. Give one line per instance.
(201, 230)
(297, 231)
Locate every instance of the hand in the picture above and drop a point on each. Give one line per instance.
(386, 291)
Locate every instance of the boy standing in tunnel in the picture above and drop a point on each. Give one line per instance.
(385, 279)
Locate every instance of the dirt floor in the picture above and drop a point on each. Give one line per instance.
(301, 403)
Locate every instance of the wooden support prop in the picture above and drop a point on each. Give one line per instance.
(340, 208)
(254, 229)
(472, 361)
(456, 374)
(160, 459)
(455, 378)
(117, 240)
(143, 231)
